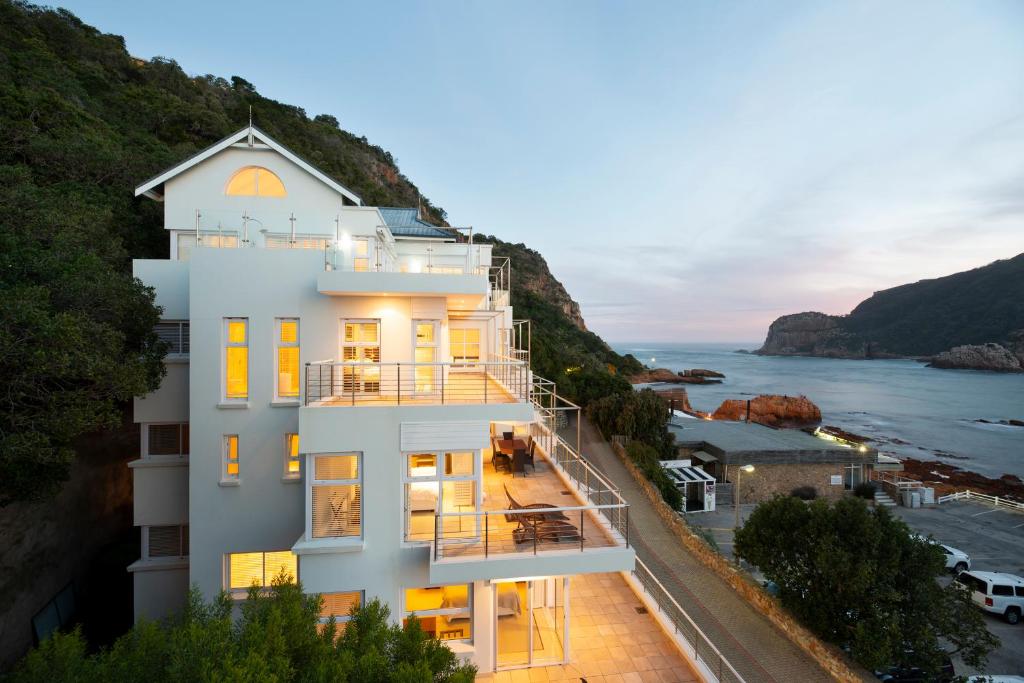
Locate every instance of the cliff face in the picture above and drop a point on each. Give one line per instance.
(979, 357)
(975, 307)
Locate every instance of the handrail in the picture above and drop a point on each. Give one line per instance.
(703, 649)
(997, 501)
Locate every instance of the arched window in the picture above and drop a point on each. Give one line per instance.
(255, 181)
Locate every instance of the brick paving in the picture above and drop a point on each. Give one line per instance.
(757, 650)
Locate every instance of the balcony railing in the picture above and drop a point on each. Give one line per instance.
(330, 383)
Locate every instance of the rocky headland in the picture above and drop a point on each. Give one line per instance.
(994, 357)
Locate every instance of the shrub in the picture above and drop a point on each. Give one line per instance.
(639, 415)
(804, 492)
(865, 489)
(646, 459)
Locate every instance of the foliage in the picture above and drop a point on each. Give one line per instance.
(277, 638)
(646, 459)
(858, 578)
(866, 490)
(638, 415)
(804, 492)
(924, 318)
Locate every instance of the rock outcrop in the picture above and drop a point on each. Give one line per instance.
(701, 372)
(770, 409)
(667, 376)
(812, 334)
(978, 357)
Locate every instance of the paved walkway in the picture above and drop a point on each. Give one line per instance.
(757, 650)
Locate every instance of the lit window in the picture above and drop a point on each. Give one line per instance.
(340, 606)
(287, 358)
(465, 344)
(236, 358)
(245, 570)
(360, 256)
(425, 355)
(292, 467)
(230, 458)
(255, 181)
(336, 495)
(445, 612)
(360, 344)
(451, 491)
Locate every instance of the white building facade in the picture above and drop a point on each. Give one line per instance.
(348, 400)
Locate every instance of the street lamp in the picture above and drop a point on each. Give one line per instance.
(739, 473)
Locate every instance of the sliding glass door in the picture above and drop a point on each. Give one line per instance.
(532, 625)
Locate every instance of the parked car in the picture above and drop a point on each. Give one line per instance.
(957, 560)
(996, 679)
(995, 592)
(912, 674)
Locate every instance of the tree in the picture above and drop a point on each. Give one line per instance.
(638, 415)
(277, 638)
(856, 577)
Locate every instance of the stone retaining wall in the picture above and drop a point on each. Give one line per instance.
(828, 656)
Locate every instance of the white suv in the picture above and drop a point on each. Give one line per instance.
(995, 592)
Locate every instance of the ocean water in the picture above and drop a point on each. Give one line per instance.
(908, 409)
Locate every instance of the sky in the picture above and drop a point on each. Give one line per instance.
(690, 170)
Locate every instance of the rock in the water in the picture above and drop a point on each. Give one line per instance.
(669, 377)
(701, 372)
(978, 357)
(770, 409)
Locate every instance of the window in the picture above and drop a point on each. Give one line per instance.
(245, 570)
(175, 334)
(336, 495)
(165, 439)
(287, 373)
(236, 359)
(465, 344)
(429, 491)
(425, 352)
(284, 241)
(445, 612)
(255, 181)
(165, 541)
(292, 467)
(360, 255)
(230, 471)
(221, 240)
(340, 606)
(998, 589)
(1020, 591)
(360, 345)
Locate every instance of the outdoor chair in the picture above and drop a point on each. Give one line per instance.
(530, 452)
(514, 504)
(519, 461)
(500, 461)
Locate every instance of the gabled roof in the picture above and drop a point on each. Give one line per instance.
(406, 223)
(153, 188)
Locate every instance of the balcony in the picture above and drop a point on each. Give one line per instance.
(558, 517)
(329, 383)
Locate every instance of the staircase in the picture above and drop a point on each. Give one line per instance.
(882, 498)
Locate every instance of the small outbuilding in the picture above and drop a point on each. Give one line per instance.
(696, 485)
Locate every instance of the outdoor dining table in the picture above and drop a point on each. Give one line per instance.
(509, 446)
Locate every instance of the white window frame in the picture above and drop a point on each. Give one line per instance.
(461, 361)
(470, 597)
(287, 474)
(225, 478)
(312, 481)
(176, 332)
(435, 345)
(278, 344)
(358, 376)
(224, 361)
(242, 593)
(439, 478)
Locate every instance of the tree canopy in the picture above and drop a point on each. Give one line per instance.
(856, 577)
(278, 638)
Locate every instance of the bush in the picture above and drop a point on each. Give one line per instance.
(639, 415)
(646, 459)
(865, 489)
(804, 492)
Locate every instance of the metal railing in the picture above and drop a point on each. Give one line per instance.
(702, 649)
(896, 481)
(500, 277)
(355, 383)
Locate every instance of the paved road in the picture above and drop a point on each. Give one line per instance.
(747, 639)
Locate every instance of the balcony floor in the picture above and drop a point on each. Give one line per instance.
(460, 388)
(609, 641)
(541, 486)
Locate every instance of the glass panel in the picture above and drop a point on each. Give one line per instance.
(340, 604)
(236, 332)
(361, 265)
(237, 380)
(255, 181)
(360, 247)
(278, 562)
(459, 496)
(165, 440)
(423, 465)
(427, 602)
(548, 620)
(246, 569)
(513, 628)
(288, 371)
(337, 511)
(458, 463)
(289, 332)
(425, 354)
(425, 333)
(421, 505)
(333, 467)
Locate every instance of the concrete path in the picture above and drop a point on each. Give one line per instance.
(757, 650)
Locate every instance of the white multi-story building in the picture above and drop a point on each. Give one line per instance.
(348, 399)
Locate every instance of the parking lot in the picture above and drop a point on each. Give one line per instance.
(993, 538)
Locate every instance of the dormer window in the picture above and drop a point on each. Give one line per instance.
(255, 181)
